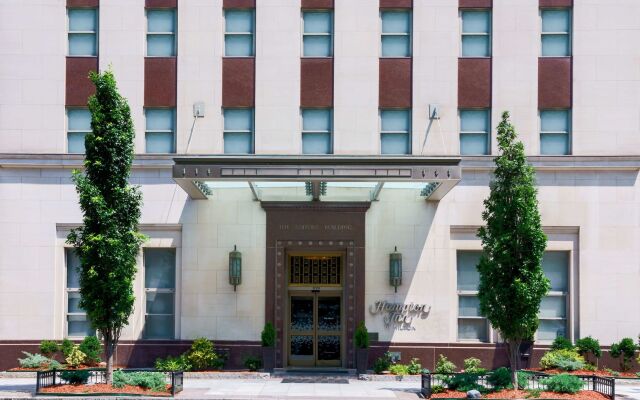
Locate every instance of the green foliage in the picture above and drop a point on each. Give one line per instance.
(268, 335)
(464, 382)
(472, 366)
(252, 363)
(147, 380)
(523, 379)
(92, 348)
(49, 347)
(76, 357)
(589, 345)
(563, 383)
(500, 378)
(108, 242)
(362, 336)
(566, 360)
(38, 361)
(399, 369)
(626, 349)
(612, 372)
(179, 363)
(76, 377)
(66, 346)
(638, 374)
(590, 367)
(444, 366)
(533, 393)
(382, 363)
(414, 367)
(561, 343)
(202, 354)
(512, 282)
(437, 389)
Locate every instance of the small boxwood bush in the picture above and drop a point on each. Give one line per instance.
(147, 380)
(76, 377)
(472, 366)
(49, 347)
(179, 363)
(625, 350)
(500, 378)
(589, 345)
(563, 383)
(399, 369)
(567, 360)
(252, 363)
(268, 335)
(362, 336)
(414, 367)
(92, 348)
(76, 357)
(66, 346)
(202, 354)
(561, 343)
(444, 366)
(382, 363)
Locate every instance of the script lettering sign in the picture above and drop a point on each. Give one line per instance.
(400, 316)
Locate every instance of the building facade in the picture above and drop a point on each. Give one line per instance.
(323, 139)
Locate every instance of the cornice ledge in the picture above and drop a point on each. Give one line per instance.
(574, 163)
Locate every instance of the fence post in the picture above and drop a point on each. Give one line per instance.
(53, 372)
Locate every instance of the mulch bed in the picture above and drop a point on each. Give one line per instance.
(521, 394)
(585, 372)
(103, 388)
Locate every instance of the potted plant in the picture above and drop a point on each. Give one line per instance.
(268, 338)
(362, 348)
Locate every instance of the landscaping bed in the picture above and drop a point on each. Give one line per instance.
(102, 388)
(608, 374)
(523, 394)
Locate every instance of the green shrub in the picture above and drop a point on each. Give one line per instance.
(472, 366)
(638, 374)
(523, 379)
(49, 347)
(627, 350)
(414, 367)
(562, 359)
(444, 366)
(146, 380)
(533, 393)
(179, 363)
(202, 354)
(612, 372)
(563, 383)
(38, 361)
(362, 336)
(500, 378)
(561, 343)
(382, 363)
(588, 345)
(92, 348)
(75, 357)
(268, 335)
(399, 369)
(590, 367)
(464, 382)
(76, 377)
(66, 346)
(252, 363)
(437, 389)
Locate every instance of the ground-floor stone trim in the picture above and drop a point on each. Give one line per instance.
(388, 378)
(227, 375)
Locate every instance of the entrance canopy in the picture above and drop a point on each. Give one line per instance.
(319, 178)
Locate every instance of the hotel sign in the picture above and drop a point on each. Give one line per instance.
(400, 316)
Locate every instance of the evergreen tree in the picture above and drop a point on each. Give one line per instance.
(512, 282)
(108, 241)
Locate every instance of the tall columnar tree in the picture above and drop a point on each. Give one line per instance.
(108, 241)
(512, 282)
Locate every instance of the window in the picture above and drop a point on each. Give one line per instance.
(83, 31)
(77, 323)
(160, 290)
(471, 325)
(476, 33)
(395, 131)
(556, 32)
(316, 131)
(553, 309)
(317, 36)
(161, 33)
(238, 131)
(396, 33)
(78, 126)
(238, 36)
(555, 132)
(159, 134)
(474, 132)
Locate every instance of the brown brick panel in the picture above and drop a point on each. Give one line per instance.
(160, 81)
(317, 4)
(475, 3)
(395, 83)
(78, 85)
(239, 4)
(554, 82)
(161, 3)
(396, 3)
(556, 3)
(83, 3)
(474, 82)
(316, 82)
(238, 82)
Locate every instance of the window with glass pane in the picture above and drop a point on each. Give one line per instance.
(316, 131)
(396, 33)
(553, 309)
(395, 132)
(83, 31)
(161, 32)
(160, 285)
(239, 32)
(476, 33)
(471, 325)
(317, 36)
(238, 131)
(77, 323)
(555, 132)
(78, 126)
(160, 130)
(556, 32)
(474, 132)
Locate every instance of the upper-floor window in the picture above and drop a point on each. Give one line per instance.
(78, 126)
(83, 31)
(474, 132)
(316, 131)
(160, 130)
(396, 33)
(471, 324)
(317, 35)
(554, 307)
(77, 323)
(161, 32)
(395, 131)
(239, 33)
(556, 32)
(476, 33)
(160, 293)
(238, 130)
(555, 132)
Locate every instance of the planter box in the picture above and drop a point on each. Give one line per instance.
(362, 359)
(268, 358)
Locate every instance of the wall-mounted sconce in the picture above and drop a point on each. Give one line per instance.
(235, 268)
(395, 269)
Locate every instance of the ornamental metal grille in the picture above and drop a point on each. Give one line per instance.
(315, 270)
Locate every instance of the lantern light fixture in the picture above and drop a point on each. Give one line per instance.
(395, 269)
(235, 268)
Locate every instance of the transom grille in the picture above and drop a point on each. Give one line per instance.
(315, 270)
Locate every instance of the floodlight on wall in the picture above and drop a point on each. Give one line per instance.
(395, 269)
(235, 268)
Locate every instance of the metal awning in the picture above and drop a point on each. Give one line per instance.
(324, 178)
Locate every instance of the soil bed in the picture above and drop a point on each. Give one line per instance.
(103, 388)
(521, 394)
(585, 372)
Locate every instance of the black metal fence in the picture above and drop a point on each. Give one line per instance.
(58, 377)
(603, 385)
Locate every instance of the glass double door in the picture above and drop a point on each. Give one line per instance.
(315, 329)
